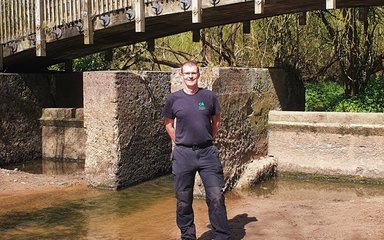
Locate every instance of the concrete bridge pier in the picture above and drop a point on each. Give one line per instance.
(126, 140)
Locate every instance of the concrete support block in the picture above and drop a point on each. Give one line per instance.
(126, 139)
(330, 143)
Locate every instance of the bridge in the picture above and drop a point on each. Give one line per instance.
(35, 34)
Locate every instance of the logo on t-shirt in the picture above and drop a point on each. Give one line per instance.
(201, 106)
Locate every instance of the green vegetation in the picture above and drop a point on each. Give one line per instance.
(329, 96)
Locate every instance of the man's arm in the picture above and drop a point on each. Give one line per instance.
(170, 127)
(215, 124)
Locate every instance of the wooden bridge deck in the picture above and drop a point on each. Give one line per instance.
(19, 52)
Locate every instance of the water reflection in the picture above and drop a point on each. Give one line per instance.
(103, 217)
(49, 166)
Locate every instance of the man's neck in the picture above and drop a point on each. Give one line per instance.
(190, 91)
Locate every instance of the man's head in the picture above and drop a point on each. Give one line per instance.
(190, 74)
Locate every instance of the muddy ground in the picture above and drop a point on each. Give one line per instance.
(303, 212)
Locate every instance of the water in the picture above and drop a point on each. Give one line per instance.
(147, 211)
(49, 166)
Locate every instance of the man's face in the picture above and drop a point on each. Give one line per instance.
(190, 75)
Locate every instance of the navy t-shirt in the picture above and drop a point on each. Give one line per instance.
(193, 115)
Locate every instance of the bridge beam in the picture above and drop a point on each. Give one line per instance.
(88, 23)
(330, 4)
(40, 31)
(259, 6)
(140, 16)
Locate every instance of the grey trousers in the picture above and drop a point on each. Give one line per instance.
(206, 161)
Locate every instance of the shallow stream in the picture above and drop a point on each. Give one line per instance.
(147, 211)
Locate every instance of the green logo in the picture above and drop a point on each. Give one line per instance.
(201, 106)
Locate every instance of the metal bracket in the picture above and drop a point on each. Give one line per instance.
(157, 8)
(130, 13)
(13, 46)
(185, 4)
(57, 33)
(105, 20)
(79, 26)
(214, 2)
(32, 38)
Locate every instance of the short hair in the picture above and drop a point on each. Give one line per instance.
(191, 64)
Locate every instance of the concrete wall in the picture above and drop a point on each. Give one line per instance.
(246, 95)
(328, 143)
(126, 139)
(22, 96)
(63, 134)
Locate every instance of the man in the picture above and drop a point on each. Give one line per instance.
(197, 113)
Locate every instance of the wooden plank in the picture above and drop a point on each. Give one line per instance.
(28, 17)
(330, 4)
(88, 24)
(56, 15)
(196, 11)
(40, 32)
(9, 28)
(12, 19)
(140, 16)
(1, 23)
(259, 6)
(78, 10)
(20, 19)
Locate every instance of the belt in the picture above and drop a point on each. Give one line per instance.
(197, 146)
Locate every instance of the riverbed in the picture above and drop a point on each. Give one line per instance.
(35, 206)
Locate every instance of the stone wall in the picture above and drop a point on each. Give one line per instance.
(246, 96)
(22, 96)
(328, 143)
(126, 139)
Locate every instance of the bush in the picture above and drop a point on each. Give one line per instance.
(322, 96)
(329, 96)
(372, 100)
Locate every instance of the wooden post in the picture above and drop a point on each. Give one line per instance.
(363, 12)
(246, 27)
(151, 45)
(330, 4)
(259, 6)
(1, 57)
(140, 16)
(196, 35)
(68, 65)
(196, 11)
(41, 49)
(302, 18)
(88, 23)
